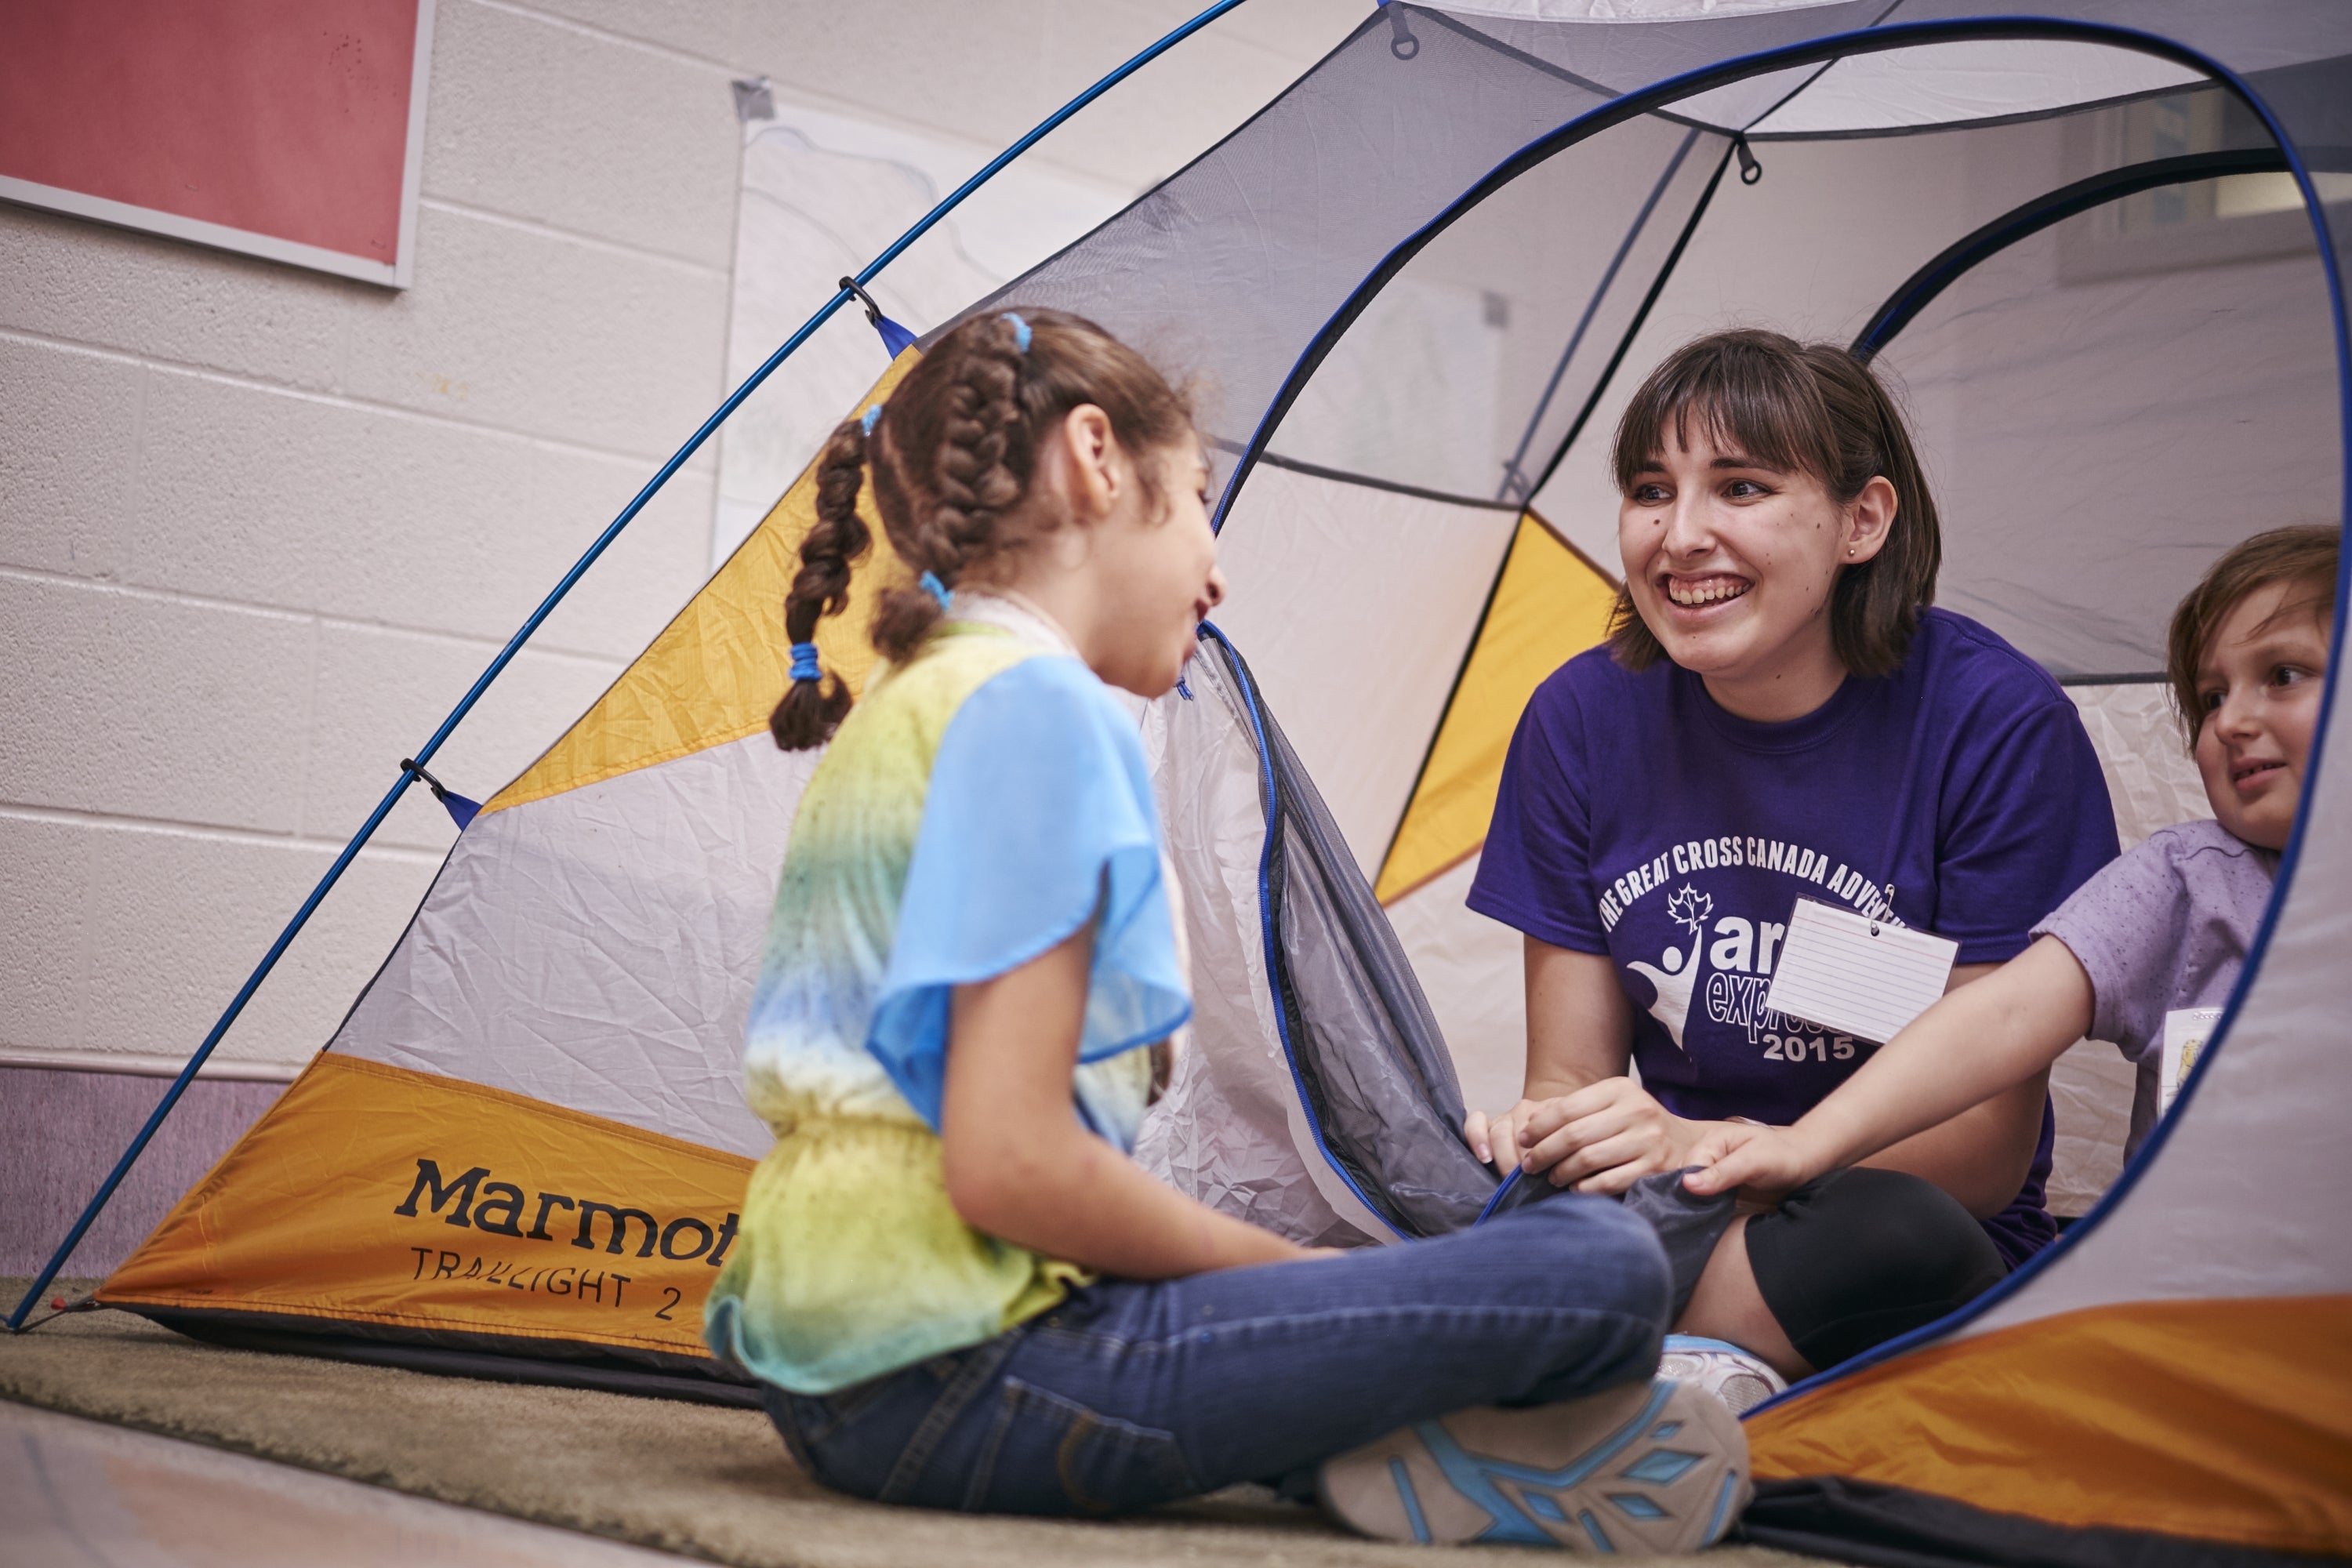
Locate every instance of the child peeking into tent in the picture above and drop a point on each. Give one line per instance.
(2150, 947)
(958, 1289)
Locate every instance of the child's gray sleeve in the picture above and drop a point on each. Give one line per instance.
(2123, 926)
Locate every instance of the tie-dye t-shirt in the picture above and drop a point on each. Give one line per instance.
(977, 807)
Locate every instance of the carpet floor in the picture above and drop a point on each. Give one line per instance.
(709, 1482)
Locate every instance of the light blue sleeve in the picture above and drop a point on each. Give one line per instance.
(1039, 814)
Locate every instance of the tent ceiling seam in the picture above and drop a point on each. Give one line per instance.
(1368, 481)
(1790, 96)
(1641, 319)
(1626, 107)
(1513, 472)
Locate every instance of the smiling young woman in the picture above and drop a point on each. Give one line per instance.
(1779, 715)
(1762, 479)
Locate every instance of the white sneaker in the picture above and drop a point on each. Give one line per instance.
(1740, 1380)
(1650, 1468)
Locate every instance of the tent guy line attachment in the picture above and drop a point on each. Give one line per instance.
(896, 338)
(461, 810)
(425, 753)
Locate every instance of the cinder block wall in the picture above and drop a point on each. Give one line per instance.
(259, 527)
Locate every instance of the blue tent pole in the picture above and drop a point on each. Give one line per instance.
(547, 606)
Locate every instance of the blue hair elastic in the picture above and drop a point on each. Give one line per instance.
(1021, 333)
(929, 583)
(805, 667)
(865, 421)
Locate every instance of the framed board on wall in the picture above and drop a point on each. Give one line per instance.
(288, 129)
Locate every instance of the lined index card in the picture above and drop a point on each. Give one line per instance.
(1856, 975)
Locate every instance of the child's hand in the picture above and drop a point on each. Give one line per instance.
(1767, 1159)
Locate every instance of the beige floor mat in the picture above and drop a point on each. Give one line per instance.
(691, 1479)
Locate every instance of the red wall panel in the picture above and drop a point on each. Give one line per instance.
(281, 117)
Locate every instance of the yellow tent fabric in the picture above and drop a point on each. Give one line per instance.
(372, 1194)
(1550, 603)
(2217, 1420)
(714, 673)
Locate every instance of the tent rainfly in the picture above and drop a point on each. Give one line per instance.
(2099, 246)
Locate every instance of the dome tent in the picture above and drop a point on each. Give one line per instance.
(2094, 246)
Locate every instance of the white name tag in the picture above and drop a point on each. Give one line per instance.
(1856, 975)
(2186, 1030)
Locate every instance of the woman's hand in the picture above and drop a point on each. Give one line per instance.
(1602, 1138)
(1496, 1139)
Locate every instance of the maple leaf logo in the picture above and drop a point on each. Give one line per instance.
(1690, 907)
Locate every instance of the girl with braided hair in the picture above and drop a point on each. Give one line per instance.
(954, 1287)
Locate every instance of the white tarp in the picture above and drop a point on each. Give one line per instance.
(597, 949)
(1354, 605)
(1966, 79)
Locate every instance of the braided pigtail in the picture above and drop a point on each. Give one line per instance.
(978, 471)
(954, 457)
(816, 703)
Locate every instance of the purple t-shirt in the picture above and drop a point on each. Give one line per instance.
(1637, 818)
(2167, 926)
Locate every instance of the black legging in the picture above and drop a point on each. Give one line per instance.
(1860, 1255)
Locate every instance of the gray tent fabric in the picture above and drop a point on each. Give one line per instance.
(1345, 1073)
(1355, 1079)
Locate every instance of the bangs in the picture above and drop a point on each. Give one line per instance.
(2316, 601)
(1755, 404)
(1794, 409)
(2302, 556)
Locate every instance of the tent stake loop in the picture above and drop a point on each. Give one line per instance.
(1402, 43)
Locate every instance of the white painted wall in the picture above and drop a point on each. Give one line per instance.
(260, 527)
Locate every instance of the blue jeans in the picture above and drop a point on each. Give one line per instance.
(1128, 1394)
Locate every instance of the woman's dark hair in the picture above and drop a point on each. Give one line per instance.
(951, 455)
(2304, 555)
(1798, 407)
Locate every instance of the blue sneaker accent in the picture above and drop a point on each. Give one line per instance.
(1633, 1505)
(1666, 1429)
(1660, 1466)
(1474, 1476)
(1701, 1342)
(1542, 1503)
(1468, 1475)
(1722, 1509)
(1599, 1536)
(1411, 1498)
